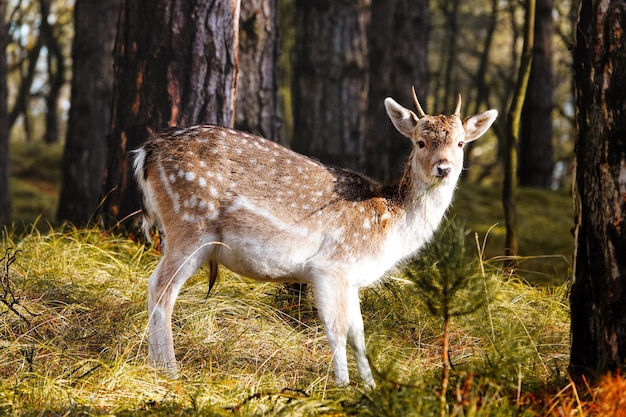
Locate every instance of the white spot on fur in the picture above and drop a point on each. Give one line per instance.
(202, 182)
(168, 189)
(190, 176)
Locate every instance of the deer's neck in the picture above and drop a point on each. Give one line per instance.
(422, 206)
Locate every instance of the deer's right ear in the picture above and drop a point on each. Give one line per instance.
(402, 118)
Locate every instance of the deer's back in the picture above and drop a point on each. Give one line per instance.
(278, 214)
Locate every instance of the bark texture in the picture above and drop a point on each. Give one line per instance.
(257, 86)
(598, 296)
(85, 151)
(5, 196)
(331, 80)
(175, 65)
(398, 45)
(535, 148)
(514, 114)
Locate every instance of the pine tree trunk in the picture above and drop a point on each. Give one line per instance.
(331, 80)
(598, 296)
(509, 186)
(56, 73)
(398, 44)
(5, 196)
(175, 65)
(257, 86)
(85, 151)
(535, 149)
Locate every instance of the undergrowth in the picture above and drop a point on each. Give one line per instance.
(73, 341)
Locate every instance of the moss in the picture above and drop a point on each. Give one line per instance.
(545, 221)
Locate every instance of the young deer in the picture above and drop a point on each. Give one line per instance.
(265, 212)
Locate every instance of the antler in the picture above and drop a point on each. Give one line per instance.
(420, 112)
(457, 109)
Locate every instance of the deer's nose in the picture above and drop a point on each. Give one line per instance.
(442, 170)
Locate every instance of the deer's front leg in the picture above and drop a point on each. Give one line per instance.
(356, 338)
(331, 299)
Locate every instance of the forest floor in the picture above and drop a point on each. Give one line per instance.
(73, 326)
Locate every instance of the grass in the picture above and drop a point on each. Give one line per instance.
(35, 178)
(74, 343)
(250, 348)
(545, 222)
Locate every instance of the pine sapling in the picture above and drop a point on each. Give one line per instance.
(448, 282)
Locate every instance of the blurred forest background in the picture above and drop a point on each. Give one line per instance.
(311, 75)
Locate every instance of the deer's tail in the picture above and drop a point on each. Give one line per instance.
(147, 197)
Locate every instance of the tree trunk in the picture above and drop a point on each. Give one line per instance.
(84, 156)
(5, 195)
(598, 297)
(22, 97)
(56, 74)
(535, 151)
(398, 44)
(257, 86)
(513, 120)
(175, 64)
(331, 80)
(482, 85)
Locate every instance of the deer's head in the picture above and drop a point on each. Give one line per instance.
(438, 141)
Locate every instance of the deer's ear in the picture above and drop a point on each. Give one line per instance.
(476, 126)
(402, 118)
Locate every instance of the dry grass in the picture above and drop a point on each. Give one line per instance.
(79, 346)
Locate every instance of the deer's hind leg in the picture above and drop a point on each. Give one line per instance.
(174, 269)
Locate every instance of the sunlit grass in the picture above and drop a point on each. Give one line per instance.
(545, 222)
(252, 348)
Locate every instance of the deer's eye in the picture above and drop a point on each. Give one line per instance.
(461, 143)
(421, 144)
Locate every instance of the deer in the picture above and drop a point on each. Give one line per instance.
(230, 198)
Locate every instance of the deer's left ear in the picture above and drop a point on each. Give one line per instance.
(475, 126)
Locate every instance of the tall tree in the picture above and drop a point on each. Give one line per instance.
(175, 65)
(5, 196)
(398, 44)
(56, 73)
(509, 185)
(536, 153)
(598, 296)
(449, 55)
(257, 86)
(331, 80)
(85, 150)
